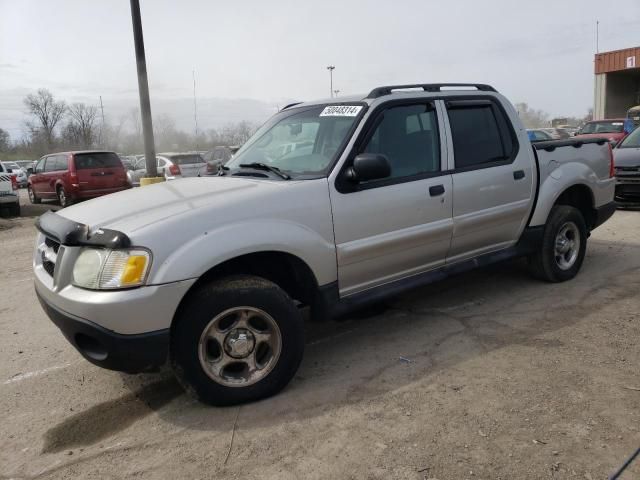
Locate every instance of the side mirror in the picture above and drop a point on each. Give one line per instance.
(30, 171)
(369, 166)
(9, 170)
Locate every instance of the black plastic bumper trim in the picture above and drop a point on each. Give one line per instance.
(604, 213)
(104, 348)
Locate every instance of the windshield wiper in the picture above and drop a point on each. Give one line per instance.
(264, 166)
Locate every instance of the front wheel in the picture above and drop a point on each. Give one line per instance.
(236, 340)
(63, 199)
(32, 195)
(564, 244)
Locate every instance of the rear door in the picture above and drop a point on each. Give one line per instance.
(99, 171)
(190, 164)
(493, 178)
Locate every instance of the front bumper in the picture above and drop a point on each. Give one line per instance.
(107, 349)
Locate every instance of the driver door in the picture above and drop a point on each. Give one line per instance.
(399, 226)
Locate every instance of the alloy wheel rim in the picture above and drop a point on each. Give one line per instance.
(240, 346)
(567, 246)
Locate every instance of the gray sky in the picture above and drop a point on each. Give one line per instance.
(539, 52)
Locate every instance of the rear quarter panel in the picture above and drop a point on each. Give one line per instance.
(567, 166)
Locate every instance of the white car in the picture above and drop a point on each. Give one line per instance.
(8, 191)
(18, 171)
(172, 165)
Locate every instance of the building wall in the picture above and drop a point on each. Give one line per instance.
(599, 100)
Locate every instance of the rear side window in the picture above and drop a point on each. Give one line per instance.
(86, 161)
(481, 133)
(61, 163)
(187, 159)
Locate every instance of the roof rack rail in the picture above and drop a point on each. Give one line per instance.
(427, 87)
(290, 105)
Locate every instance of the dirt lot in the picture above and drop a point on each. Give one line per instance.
(487, 375)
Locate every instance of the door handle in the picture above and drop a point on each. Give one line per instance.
(518, 175)
(436, 190)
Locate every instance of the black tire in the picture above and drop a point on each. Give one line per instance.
(205, 304)
(543, 264)
(63, 198)
(33, 198)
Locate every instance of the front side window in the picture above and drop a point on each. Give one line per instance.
(408, 136)
(50, 164)
(40, 166)
(480, 134)
(301, 141)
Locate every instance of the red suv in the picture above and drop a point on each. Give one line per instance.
(72, 176)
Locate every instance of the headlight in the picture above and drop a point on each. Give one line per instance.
(103, 269)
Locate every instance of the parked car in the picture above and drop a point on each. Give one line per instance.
(9, 198)
(20, 173)
(25, 165)
(538, 135)
(72, 176)
(613, 130)
(627, 164)
(217, 157)
(398, 189)
(557, 133)
(172, 165)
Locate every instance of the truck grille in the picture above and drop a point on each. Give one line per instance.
(49, 255)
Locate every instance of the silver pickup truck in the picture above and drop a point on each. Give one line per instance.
(331, 205)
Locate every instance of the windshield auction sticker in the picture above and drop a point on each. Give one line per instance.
(341, 111)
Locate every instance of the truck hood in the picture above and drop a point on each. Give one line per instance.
(626, 157)
(132, 210)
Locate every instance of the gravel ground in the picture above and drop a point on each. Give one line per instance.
(488, 375)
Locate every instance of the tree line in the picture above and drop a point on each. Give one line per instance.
(55, 125)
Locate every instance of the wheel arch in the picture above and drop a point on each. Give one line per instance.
(286, 270)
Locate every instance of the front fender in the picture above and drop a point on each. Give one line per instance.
(560, 177)
(213, 247)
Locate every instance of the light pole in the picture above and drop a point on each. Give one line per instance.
(331, 68)
(145, 105)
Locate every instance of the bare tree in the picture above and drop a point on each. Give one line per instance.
(83, 119)
(4, 140)
(47, 112)
(532, 118)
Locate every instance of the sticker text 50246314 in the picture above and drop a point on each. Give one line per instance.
(341, 110)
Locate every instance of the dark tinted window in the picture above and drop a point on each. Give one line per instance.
(480, 135)
(186, 159)
(86, 161)
(408, 137)
(62, 163)
(50, 164)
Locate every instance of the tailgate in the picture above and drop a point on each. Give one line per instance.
(191, 165)
(97, 171)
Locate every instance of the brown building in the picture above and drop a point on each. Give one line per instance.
(617, 85)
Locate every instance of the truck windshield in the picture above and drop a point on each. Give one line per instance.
(603, 127)
(632, 140)
(301, 142)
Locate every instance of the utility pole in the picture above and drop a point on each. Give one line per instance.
(195, 107)
(331, 68)
(102, 126)
(145, 104)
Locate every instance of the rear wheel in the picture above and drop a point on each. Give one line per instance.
(32, 195)
(236, 340)
(63, 199)
(563, 247)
